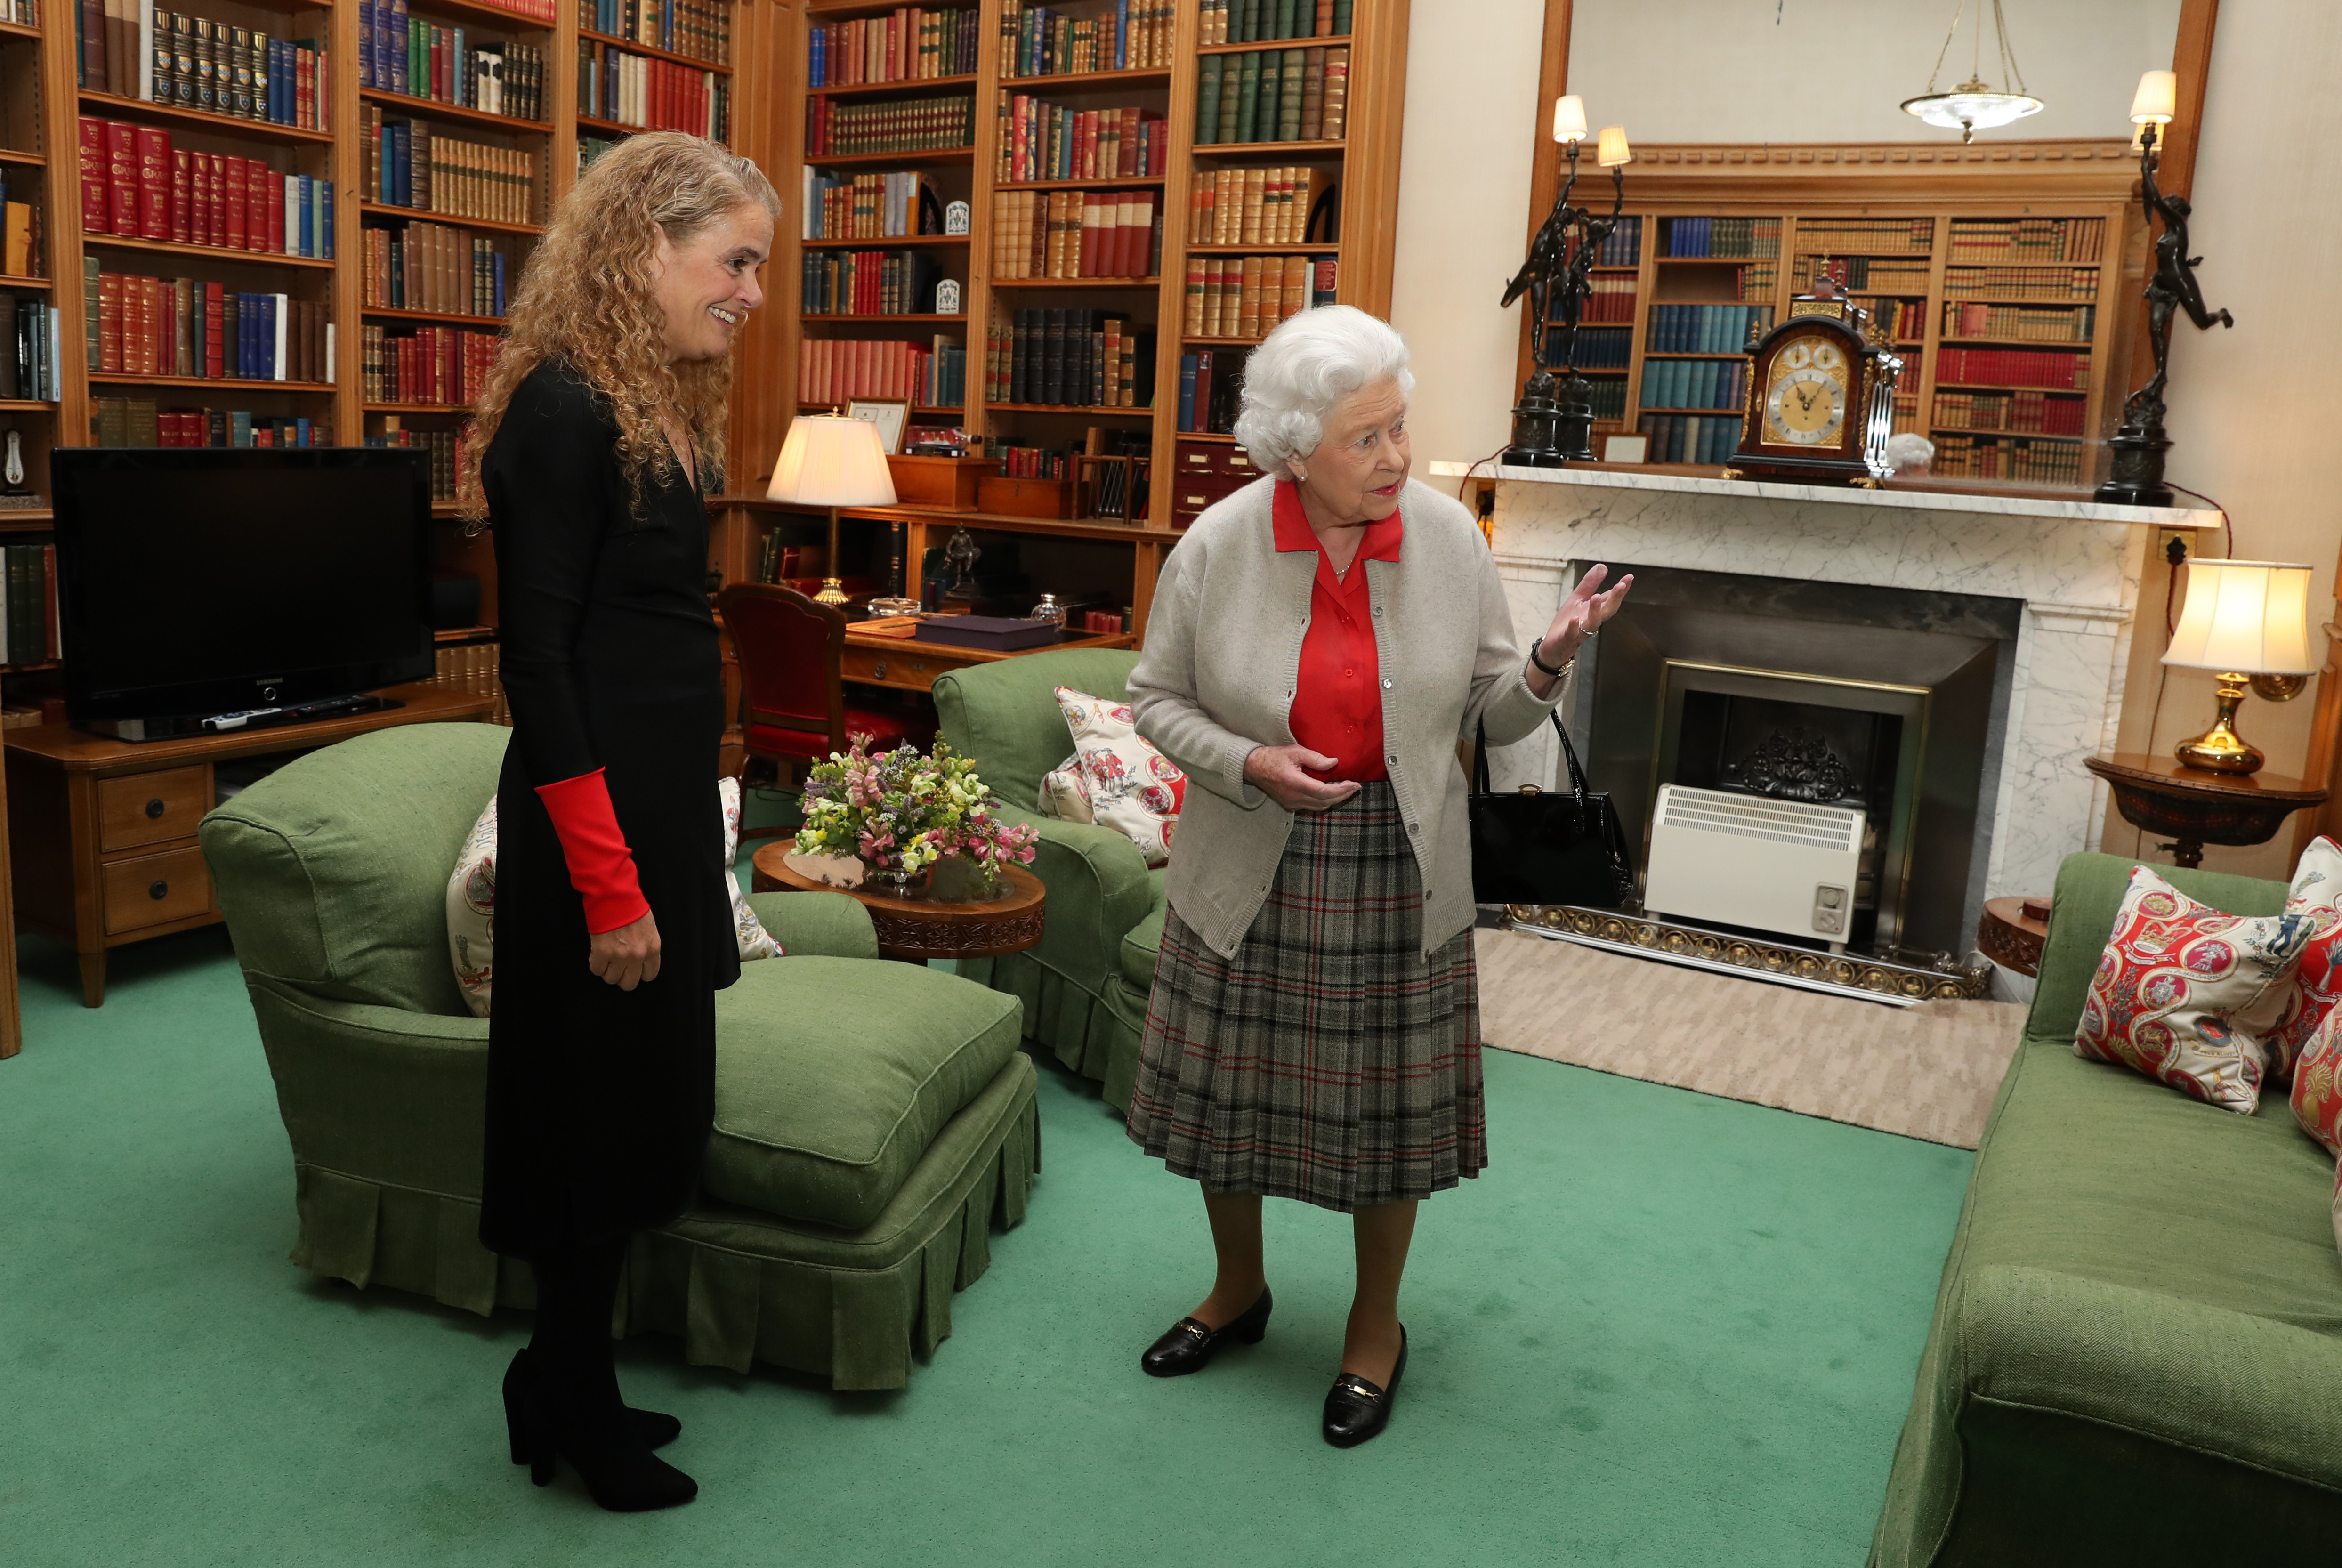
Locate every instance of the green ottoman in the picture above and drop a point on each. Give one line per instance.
(872, 1120)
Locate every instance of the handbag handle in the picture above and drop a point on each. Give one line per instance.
(1568, 752)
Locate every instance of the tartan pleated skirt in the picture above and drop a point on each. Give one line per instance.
(1328, 1060)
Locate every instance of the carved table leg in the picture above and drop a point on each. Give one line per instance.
(2187, 854)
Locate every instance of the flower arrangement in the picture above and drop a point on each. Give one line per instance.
(899, 812)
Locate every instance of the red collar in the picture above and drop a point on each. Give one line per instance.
(1292, 531)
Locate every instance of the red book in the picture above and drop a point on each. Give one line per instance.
(215, 310)
(183, 202)
(232, 199)
(276, 182)
(122, 177)
(211, 201)
(109, 321)
(154, 184)
(305, 88)
(94, 183)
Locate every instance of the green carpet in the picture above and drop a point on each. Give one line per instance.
(1663, 1329)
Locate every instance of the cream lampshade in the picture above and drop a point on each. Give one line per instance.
(1569, 118)
(2157, 98)
(831, 461)
(1614, 150)
(2242, 619)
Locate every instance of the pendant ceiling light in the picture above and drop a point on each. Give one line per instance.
(1972, 107)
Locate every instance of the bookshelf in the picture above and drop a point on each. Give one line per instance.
(2006, 285)
(1019, 85)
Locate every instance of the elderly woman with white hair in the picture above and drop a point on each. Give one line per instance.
(1319, 642)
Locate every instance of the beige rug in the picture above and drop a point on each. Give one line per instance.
(1928, 1070)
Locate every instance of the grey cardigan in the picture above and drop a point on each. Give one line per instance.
(1222, 652)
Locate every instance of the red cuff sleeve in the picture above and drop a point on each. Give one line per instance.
(601, 867)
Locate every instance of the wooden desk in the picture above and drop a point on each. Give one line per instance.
(102, 833)
(2197, 807)
(912, 666)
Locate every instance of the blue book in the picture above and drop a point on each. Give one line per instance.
(269, 338)
(402, 185)
(400, 35)
(288, 89)
(309, 242)
(1121, 38)
(497, 283)
(240, 427)
(365, 43)
(1186, 393)
(325, 218)
(300, 432)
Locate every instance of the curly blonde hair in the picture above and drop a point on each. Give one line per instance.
(587, 298)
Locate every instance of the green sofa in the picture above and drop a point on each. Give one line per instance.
(2137, 1352)
(872, 1120)
(1084, 987)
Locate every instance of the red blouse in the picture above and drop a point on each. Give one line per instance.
(1337, 701)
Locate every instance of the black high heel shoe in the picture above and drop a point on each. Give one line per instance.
(1188, 1346)
(654, 1428)
(1356, 1410)
(602, 1446)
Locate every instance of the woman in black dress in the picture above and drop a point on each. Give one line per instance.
(614, 927)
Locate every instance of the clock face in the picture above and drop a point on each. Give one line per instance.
(1804, 401)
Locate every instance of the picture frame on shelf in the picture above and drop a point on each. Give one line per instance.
(890, 415)
(1624, 448)
(947, 296)
(957, 217)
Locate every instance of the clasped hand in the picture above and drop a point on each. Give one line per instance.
(628, 956)
(1279, 772)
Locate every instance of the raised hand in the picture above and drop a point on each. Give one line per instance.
(1582, 615)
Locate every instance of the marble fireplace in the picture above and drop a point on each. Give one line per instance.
(1959, 655)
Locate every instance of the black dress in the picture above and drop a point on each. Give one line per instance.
(600, 1100)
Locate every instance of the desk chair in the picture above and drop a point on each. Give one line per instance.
(792, 651)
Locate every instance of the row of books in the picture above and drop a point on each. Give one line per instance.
(400, 53)
(136, 184)
(189, 326)
(29, 364)
(1596, 348)
(1757, 281)
(834, 369)
(1694, 383)
(444, 447)
(1704, 328)
(1256, 206)
(1211, 390)
(1902, 320)
(1704, 438)
(132, 50)
(1077, 233)
(431, 267)
(869, 283)
(1985, 240)
(445, 366)
(1611, 299)
(1246, 296)
(2064, 325)
(1721, 239)
(24, 13)
(699, 28)
(409, 165)
(629, 89)
(1266, 21)
(137, 421)
(1866, 237)
(2039, 462)
(1905, 416)
(474, 669)
(2042, 283)
(861, 206)
(1044, 141)
(1608, 398)
(1623, 247)
(2031, 413)
(916, 43)
(1273, 95)
(1069, 359)
(590, 147)
(1886, 275)
(29, 603)
(857, 125)
(2014, 368)
(1037, 41)
(944, 383)
(1035, 463)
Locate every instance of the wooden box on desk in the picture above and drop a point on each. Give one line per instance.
(1026, 497)
(950, 482)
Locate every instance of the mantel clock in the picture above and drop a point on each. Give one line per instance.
(1821, 396)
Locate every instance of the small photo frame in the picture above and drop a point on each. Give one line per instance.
(955, 217)
(1624, 448)
(947, 296)
(888, 413)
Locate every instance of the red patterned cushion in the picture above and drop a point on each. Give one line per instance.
(2317, 982)
(2317, 1097)
(2184, 992)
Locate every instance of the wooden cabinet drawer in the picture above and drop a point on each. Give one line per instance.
(155, 889)
(912, 666)
(152, 808)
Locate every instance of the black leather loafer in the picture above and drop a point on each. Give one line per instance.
(1189, 1346)
(1356, 1410)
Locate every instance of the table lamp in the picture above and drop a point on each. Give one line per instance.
(2245, 621)
(832, 462)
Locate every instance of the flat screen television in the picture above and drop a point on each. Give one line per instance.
(204, 580)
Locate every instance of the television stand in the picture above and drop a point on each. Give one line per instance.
(141, 730)
(102, 832)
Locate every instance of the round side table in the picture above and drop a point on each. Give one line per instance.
(2197, 807)
(2013, 932)
(918, 929)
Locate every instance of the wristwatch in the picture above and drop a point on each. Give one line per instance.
(1567, 665)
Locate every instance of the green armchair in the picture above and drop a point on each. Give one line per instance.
(872, 1120)
(1084, 987)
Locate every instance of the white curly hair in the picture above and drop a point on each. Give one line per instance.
(1302, 369)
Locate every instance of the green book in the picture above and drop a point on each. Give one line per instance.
(1341, 18)
(1285, 9)
(1248, 98)
(89, 287)
(1288, 100)
(1247, 29)
(1208, 99)
(1231, 92)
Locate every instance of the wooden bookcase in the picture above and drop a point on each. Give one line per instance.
(1364, 162)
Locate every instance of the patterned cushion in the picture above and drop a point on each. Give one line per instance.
(1116, 778)
(2184, 992)
(2317, 1096)
(472, 903)
(2317, 982)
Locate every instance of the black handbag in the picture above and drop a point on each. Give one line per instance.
(1545, 846)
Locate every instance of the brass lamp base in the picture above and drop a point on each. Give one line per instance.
(833, 592)
(2221, 749)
